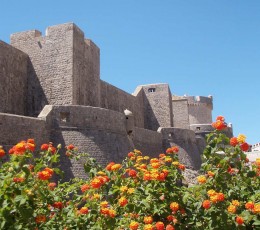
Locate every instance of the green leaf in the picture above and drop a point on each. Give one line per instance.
(20, 199)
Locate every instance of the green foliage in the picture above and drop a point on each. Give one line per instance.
(123, 195)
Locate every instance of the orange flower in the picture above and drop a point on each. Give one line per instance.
(70, 147)
(148, 219)
(201, 179)
(244, 146)
(132, 173)
(256, 209)
(169, 227)
(174, 206)
(239, 220)
(84, 187)
(58, 205)
(51, 185)
(233, 141)
(46, 174)
(96, 183)
(249, 205)
(172, 218)
(147, 176)
(109, 166)
(211, 174)
(18, 179)
(122, 201)
(232, 209)
(44, 147)
(131, 154)
(173, 149)
(104, 204)
(49, 170)
(154, 160)
(2, 152)
(18, 149)
(84, 211)
(159, 225)
(112, 213)
(220, 118)
(214, 199)
(221, 196)
(219, 125)
(181, 167)
(40, 219)
(116, 167)
(134, 225)
(206, 204)
(104, 211)
(155, 165)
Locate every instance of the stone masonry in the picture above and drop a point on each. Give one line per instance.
(51, 90)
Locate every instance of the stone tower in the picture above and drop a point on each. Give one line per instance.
(63, 68)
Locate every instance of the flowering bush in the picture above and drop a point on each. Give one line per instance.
(138, 193)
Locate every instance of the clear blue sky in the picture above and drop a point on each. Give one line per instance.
(199, 47)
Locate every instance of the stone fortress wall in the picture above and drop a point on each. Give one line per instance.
(51, 91)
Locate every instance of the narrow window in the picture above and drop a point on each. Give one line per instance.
(151, 90)
(64, 117)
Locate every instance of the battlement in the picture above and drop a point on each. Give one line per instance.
(51, 31)
(197, 100)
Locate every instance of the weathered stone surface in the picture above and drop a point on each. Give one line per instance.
(57, 78)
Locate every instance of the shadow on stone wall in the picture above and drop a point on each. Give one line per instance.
(150, 120)
(35, 97)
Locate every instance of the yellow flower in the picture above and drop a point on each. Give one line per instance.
(235, 203)
(232, 209)
(241, 138)
(137, 152)
(123, 188)
(104, 204)
(211, 192)
(101, 173)
(211, 174)
(214, 198)
(96, 196)
(139, 159)
(148, 227)
(131, 190)
(201, 179)
(146, 158)
(175, 163)
(168, 159)
(116, 167)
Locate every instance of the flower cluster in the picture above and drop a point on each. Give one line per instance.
(220, 123)
(142, 192)
(22, 147)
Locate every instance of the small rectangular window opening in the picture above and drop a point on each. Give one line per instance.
(151, 90)
(64, 117)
